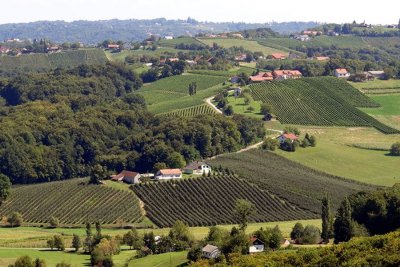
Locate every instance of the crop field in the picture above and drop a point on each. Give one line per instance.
(253, 46)
(324, 101)
(182, 40)
(295, 183)
(192, 111)
(210, 201)
(378, 87)
(72, 202)
(169, 94)
(45, 62)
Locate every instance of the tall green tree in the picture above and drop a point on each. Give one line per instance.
(327, 219)
(76, 242)
(88, 244)
(343, 225)
(97, 174)
(242, 212)
(5, 187)
(133, 239)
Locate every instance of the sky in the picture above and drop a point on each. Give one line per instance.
(339, 11)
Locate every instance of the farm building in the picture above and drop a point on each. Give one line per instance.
(256, 245)
(262, 77)
(241, 57)
(289, 136)
(167, 174)
(210, 252)
(113, 47)
(127, 177)
(341, 73)
(322, 58)
(168, 37)
(312, 33)
(303, 38)
(286, 74)
(278, 56)
(197, 167)
(376, 74)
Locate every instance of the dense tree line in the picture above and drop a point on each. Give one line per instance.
(62, 130)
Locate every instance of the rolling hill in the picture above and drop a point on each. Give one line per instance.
(323, 101)
(44, 62)
(290, 181)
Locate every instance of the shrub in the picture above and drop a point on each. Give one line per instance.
(395, 149)
(15, 219)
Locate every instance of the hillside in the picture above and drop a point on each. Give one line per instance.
(210, 200)
(170, 94)
(45, 62)
(324, 101)
(72, 202)
(295, 183)
(93, 32)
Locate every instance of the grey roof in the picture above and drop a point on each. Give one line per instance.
(209, 248)
(195, 165)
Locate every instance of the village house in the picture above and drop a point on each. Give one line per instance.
(237, 35)
(197, 167)
(376, 74)
(281, 75)
(302, 37)
(278, 56)
(322, 58)
(168, 37)
(128, 177)
(173, 59)
(113, 47)
(241, 57)
(262, 77)
(312, 33)
(256, 245)
(167, 174)
(341, 73)
(210, 252)
(288, 136)
(191, 62)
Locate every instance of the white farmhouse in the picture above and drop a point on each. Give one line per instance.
(167, 174)
(256, 245)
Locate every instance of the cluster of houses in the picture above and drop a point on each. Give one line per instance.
(255, 246)
(131, 177)
(369, 75)
(278, 75)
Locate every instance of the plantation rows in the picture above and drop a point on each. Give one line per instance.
(192, 111)
(318, 101)
(44, 62)
(180, 83)
(72, 202)
(297, 184)
(210, 200)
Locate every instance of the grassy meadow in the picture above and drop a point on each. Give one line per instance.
(253, 46)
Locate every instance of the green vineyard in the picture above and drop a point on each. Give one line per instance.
(297, 184)
(324, 101)
(45, 62)
(72, 202)
(210, 201)
(192, 111)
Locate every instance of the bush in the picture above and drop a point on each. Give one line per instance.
(15, 219)
(395, 149)
(54, 222)
(270, 144)
(311, 235)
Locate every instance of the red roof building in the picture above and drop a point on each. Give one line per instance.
(341, 73)
(262, 77)
(278, 56)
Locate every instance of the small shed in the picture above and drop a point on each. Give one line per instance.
(210, 252)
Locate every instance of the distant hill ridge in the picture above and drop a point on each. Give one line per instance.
(93, 32)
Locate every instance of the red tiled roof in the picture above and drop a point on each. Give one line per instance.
(262, 76)
(170, 171)
(113, 46)
(278, 55)
(286, 72)
(290, 136)
(341, 71)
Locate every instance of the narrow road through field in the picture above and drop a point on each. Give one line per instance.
(208, 101)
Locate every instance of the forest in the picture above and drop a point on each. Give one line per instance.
(59, 124)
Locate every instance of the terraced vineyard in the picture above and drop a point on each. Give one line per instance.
(297, 184)
(210, 200)
(72, 202)
(324, 101)
(192, 111)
